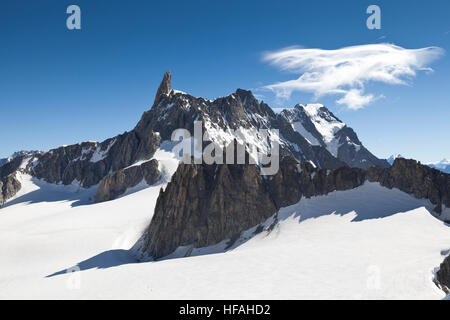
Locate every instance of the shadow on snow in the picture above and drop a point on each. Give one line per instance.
(369, 201)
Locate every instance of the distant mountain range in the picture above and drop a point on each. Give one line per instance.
(443, 165)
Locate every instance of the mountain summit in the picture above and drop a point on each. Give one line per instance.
(320, 127)
(307, 133)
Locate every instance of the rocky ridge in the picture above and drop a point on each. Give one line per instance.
(102, 163)
(9, 182)
(205, 204)
(322, 128)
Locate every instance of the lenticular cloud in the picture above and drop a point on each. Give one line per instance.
(346, 71)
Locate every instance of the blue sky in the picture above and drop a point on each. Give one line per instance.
(60, 86)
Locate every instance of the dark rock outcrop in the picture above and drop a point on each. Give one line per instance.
(442, 278)
(164, 88)
(116, 183)
(416, 179)
(356, 156)
(316, 181)
(9, 186)
(205, 204)
(89, 162)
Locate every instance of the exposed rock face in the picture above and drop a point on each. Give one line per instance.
(116, 183)
(164, 88)
(240, 110)
(9, 186)
(315, 182)
(22, 154)
(322, 128)
(205, 204)
(89, 162)
(416, 179)
(285, 186)
(306, 151)
(443, 276)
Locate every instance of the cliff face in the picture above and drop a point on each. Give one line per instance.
(116, 183)
(416, 179)
(322, 128)
(89, 162)
(442, 278)
(9, 184)
(205, 204)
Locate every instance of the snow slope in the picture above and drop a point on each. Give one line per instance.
(327, 126)
(324, 129)
(298, 126)
(370, 242)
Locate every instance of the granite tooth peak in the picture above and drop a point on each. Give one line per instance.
(306, 133)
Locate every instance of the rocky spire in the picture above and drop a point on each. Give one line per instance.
(165, 87)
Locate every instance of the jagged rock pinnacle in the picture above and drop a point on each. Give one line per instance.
(165, 87)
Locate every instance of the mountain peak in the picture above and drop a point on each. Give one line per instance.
(247, 98)
(392, 158)
(443, 165)
(22, 153)
(165, 87)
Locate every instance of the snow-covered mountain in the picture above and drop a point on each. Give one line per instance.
(392, 158)
(310, 133)
(22, 153)
(110, 219)
(320, 127)
(443, 165)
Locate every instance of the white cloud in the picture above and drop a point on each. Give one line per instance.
(355, 99)
(345, 71)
